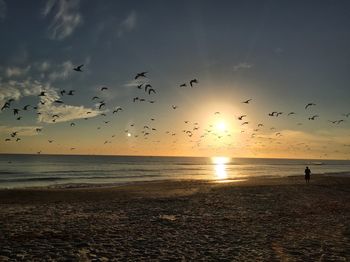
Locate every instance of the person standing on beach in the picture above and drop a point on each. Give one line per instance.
(307, 174)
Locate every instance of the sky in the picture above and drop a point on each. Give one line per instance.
(282, 55)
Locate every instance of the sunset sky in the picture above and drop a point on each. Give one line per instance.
(282, 55)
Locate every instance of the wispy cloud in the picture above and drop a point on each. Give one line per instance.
(62, 71)
(243, 65)
(18, 89)
(3, 9)
(128, 24)
(66, 17)
(22, 130)
(16, 71)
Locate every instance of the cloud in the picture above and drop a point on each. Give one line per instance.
(128, 24)
(22, 130)
(65, 113)
(66, 17)
(243, 65)
(18, 89)
(62, 71)
(3, 9)
(136, 82)
(16, 71)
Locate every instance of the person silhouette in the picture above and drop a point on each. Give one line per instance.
(307, 174)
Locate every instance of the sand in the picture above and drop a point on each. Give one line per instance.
(255, 220)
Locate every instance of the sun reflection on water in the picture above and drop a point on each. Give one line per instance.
(220, 167)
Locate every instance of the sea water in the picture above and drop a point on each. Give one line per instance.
(17, 171)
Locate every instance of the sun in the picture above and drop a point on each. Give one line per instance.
(221, 126)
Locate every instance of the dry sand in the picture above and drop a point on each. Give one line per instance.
(256, 220)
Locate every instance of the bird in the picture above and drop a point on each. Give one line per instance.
(95, 97)
(339, 121)
(71, 92)
(62, 92)
(26, 107)
(291, 113)
(78, 68)
(313, 117)
(346, 115)
(241, 117)
(217, 113)
(259, 125)
(38, 130)
(18, 139)
(183, 85)
(6, 105)
(174, 107)
(151, 101)
(193, 81)
(19, 118)
(151, 90)
(101, 105)
(55, 116)
(135, 99)
(147, 86)
(16, 111)
(279, 113)
(244, 123)
(72, 124)
(142, 74)
(50, 141)
(309, 104)
(104, 88)
(13, 134)
(58, 101)
(272, 113)
(117, 109)
(139, 86)
(42, 93)
(247, 101)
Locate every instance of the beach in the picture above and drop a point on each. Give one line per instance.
(257, 219)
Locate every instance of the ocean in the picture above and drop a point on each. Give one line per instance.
(19, 171)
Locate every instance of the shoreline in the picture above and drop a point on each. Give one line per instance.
(131, 183)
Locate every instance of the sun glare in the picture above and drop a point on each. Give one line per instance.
(221, 126)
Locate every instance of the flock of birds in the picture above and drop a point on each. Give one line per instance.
(147, 129)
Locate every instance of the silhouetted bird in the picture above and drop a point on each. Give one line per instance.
(147, 86)
(58, 101)
(151, 90)
(174, 107)
(71, 92)
(104, 88)
(118, 109)
(6, 105)
(244, 123)
(139, 86)
(313, 117)
(142, 74)
(247, 101)
(183, 85)
(102, 104)
(291, 113)
(309, 104)
(72, 124)
(193, 81)
(26, 107)
(16, 111)
(95, 97)
(62, 92)
(43, 93)
(78, 68)
(135, 99)
(241, 117)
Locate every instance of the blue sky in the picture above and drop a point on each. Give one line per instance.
(282, 54)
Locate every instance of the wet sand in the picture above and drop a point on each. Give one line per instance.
(280, 219)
